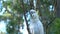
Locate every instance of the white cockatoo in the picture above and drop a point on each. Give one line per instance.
(36, 26)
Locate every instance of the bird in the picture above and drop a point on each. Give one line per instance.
(36, 26)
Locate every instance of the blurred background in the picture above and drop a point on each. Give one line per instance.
(15, 16)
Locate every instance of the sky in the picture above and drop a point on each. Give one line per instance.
(1, 12)
(0, 4)
(2, 26)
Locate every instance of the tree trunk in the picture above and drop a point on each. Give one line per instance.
(58, 8)
(24, 9)
(31, 4)
(38, 6)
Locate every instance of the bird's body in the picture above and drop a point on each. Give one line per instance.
(36, 27)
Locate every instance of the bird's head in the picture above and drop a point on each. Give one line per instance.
(33, 14)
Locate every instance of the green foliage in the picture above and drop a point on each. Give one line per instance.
(12, 15)
(18, 8)
(55, 27)
(15, 23)
(11, 26)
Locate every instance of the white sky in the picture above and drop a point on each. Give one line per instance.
(2, 11)
(2, 26)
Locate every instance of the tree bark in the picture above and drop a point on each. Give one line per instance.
(24, 9)
(58, 8)
(38, 6)
(31, 4)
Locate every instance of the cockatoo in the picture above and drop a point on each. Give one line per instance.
(36, 26)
